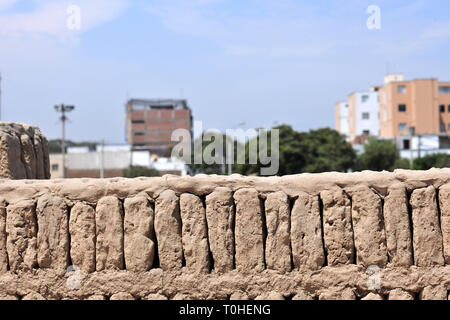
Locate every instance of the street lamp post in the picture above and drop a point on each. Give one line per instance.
(63, 109)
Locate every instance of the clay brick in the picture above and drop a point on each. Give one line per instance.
(306, 233)
(337, 227)
(433, 293)
(397, 225)
(368, 228)
(400, 294)
(21, 233)
(278, 242)
(82, 236)
(109, 232)
(249, 236)
(23, 152)
(194, 233)
(53, 233)
(139, 235)
(338, 294)
(168, 230)
(220, 219)
(444, 205)
(427, 237)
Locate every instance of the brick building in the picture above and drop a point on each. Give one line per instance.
(150, 123)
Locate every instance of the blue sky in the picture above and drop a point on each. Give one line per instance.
(259, 61)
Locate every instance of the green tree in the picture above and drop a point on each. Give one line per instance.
(314, 151)
(290, 159)
(402, 164)
(437, 160)
(139, 171)
(379, 155)
(207, 141)
(327, 150)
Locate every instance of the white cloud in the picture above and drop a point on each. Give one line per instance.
(50, 17)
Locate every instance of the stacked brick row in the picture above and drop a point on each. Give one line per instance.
(24, 152)
(240, 229)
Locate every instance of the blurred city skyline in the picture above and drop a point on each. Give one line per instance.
(257, 62)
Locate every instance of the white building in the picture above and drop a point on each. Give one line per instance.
(82, 162)
(363, 114)
(420, 146)
(341, 117)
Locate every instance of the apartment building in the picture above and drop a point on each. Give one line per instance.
(150, 123)
(341, 117)
(363, 115)
(420, 103)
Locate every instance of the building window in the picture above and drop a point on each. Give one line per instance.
(401, 89)
(401, 127)
(364, 98)
(139, 133)
(402, 107)
(55, 167)
(365, 116)
(366, 132)
(442, 108)
(444, 90)
(406, 144)
(442, 127)
(137, 121)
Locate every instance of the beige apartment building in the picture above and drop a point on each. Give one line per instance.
(420, 103)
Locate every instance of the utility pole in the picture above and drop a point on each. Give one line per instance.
(63, 109)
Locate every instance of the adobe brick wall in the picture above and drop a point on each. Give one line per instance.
(23, 152)
(308, 236)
